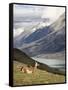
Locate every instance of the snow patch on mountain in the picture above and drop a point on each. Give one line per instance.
(18, 31)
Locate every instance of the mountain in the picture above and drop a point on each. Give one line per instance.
(38, 34)
(49, 39)
(43, 39)
(40, 31)
(29, 35)
(20, 37)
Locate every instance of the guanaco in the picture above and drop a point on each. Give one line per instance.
(30, 69)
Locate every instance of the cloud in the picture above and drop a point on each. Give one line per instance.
(53, 13)
(27, 10)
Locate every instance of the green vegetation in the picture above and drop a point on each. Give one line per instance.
(39, 77)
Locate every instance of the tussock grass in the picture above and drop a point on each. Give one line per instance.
(39, 77)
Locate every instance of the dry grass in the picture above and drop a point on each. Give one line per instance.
(39, 77)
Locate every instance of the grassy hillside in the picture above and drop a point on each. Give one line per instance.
(39, 77)
(22, 57)
(42, 75)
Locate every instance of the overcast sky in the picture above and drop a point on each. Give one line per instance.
(28, 11)
(35, 14)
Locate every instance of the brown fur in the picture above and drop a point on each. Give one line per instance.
(29, 69)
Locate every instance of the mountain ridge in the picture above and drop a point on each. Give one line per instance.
(20, 56)
(53, 42)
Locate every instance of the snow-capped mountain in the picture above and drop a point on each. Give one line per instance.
(48, 39)
(42, 38)
(22, 36)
